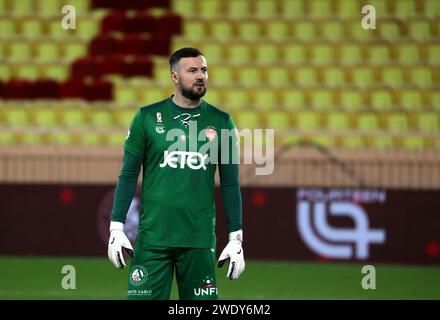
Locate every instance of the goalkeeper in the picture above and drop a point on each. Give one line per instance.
(176, 233)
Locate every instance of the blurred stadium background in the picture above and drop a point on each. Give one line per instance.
(356, 116)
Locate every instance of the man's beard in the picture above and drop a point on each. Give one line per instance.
(193, 94)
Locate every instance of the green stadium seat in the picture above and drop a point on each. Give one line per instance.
(278, 120)
(195, 29)
(101, 118)
(238, 8)
(351, 99)
(293, 99)
(266, 8)
(350, 54)
(46, 117)
(306, 76)
(338, 121)
(267, 53)
(419, 30)
(249, 30)
(248, 119)
(428, 122)
(405, 9)
(413, 142)
(308, 120)
(333, 30)
(392, 76)
(221, 29)
(397, 122)
(277, 75)
(411, 99)
(319, 9)
(249, 75)
(277, 29)
(73, 117)
(382, 100)
(305, 30)
(323, 54)
(334, 76)
(352, 142)
(422, 76)
(367, 121)
(292, 9)
(408, 53)
(294, 53)
(322, 99)
(208, 8)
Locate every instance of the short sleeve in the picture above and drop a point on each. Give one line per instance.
(135, 139)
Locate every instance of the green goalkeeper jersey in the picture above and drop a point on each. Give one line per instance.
(180, 150)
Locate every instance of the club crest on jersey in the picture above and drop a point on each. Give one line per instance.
(160, 129)
(210, 133)
(159, 117)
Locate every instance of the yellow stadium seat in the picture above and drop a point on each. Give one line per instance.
(277, 29)
(408, 53)
(209, 8)
(305, 30)
(47, 50)
(292, 9)
(185, 8)
(306, 76)
(248, 119)
(214, 96)
(392, 76)
(220, 29)
(236, 98)
(32, 138)
(239, 53)
(115, 138)
(49, 7)
(31, 27)
(367, 121)
(434, 53)
(413, 142)
(293, 98)
(382, 99)
(214, 51)
(250, 75)
(278, 75)
(382, 142)
(432, 8)
(338, 121)
(333, 30)
(8, 26)
(428, 122)
(87, 26)
(348, 8)
(419, 30)
(422, 76)
(124, 117)
(221, 75)
(250, 30)
(126, 94)
(350, 54)
(81, 6)
(23, 7)
(352, 99)
(91, 138)
(20, 50)
(162, 72)
(73, 50)
(238, 8)
(5, 72)
(363, 76)
(73, 117)
(308, 120)
(266, 8)
(322, 99)
(46, 117)
(7, 138)
(323, 54)
(405, 9)
(352, 142)
(323, 140)
(334, 76)
(278, 120)
(379, 54)
(411, 99)
(64, 138)
(56, 71)
(17, 117)
(267, 53)
(294, 53)
(27, 71)
(101, 118)
(195, 29)
(389, 30)
(265, 99)
(397, 122)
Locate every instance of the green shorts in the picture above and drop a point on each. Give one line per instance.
(152, 270)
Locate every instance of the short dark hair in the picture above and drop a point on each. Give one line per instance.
(184, 53)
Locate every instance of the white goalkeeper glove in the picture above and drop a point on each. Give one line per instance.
(234, 252)
(118, 241)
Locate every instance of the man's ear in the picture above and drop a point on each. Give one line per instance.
(174, 77)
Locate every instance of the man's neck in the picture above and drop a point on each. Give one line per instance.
(183, 102)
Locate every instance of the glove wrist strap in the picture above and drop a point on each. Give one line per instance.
(236, 235)
(116, 225)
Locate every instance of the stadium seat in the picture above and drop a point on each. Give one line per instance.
(390, 30)
(185, 8)
(7, 138)
(367, 121)
(47, 50)
(350, 54)
(308, 120)
(293, 99)
(31, 27)
(56, 71)
(405, 9)
(322, 99)
(46, 117)
(422, 76)
(351, 100)
(219, 75)
(101, 118)
(348, 8)
(352, 142)
(419, 30)
(221, 30)
(305, 30)
(249, 75)
(278, 120)
(434, 54)
(323, 140)
(428, 122)
(277, 75)
(382, 142)
(249, 30)
(413, 142)
(334, 76)
(266, 8)
(408, 53)
(432, 8)
(123, 117)
(17, 117)
(91, 138)
(31, 138)
(379, 54)
(73, 117)
(267, 53)
(196, 29)
(265, 99)
(338, 121)
(306, 76)
(319, 9)
(236, 98)
(239, 52)
(333, 30)
(392, 76)
(411, 99)
(238, 8)
(248, 119)
(8, 26)
(323, 54)
(23, 7)
(208, 8)
(382, 99)
(278, 30)
(397, 122)
(292, 9)
(115, 138)
(294, 53)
